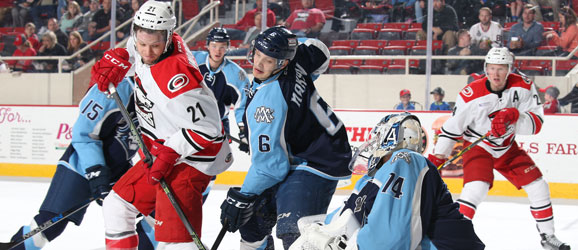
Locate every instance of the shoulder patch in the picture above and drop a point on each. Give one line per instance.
(474, 90)
(467, 91)
(177, 82)
(520, 81)
(402, 155)
(242, 76)
(264, 114)
(175, 75)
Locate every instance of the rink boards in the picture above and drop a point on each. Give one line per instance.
(32, 139)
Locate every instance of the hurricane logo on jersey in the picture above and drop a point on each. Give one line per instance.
(209, 79)
(178, 82)
(402, 155)
(467, 92)
(264, 114)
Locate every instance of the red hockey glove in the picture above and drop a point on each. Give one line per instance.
(166, 159)
(110, 69)
(435, 160)
(502, 120)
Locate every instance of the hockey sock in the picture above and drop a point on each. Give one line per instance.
(472, 195)
(540, 205)
(125, 241)
(266, 244)
(36, 242)
(146, 234)
(55, 230)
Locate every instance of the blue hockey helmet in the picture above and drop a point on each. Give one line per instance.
(277, 42)
(218, 34)
(393, 132)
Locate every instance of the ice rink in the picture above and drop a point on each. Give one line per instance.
(501, 222)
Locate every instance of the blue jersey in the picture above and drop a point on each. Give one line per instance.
(290, 127)
(407, 206)
(410, 106)
(439, 106)
(100, 135)
(227, 83)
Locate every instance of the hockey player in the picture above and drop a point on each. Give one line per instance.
(299, 147)
(96, 158)
(403, 205)
(503, 104)
(225, 78)
(181, 127)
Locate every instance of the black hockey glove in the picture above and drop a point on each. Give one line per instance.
(99, 181)
(237, 209)
(244, 144)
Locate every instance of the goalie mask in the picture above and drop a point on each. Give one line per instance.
(393, 132)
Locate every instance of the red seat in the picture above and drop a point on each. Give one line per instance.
(350, 43)
(374, 43)
(509, 25)
(415, 25)
(405, 43)
(566, 65)
(389, 34)
(236, 43)
(5, 30)
(373, 66)
(362, 34)
(19, 29)
(1, 46)
(201, 43)
(546, 50)
(344, 66)
(376, 62)
(354, 62)
(373, 26)
(437, 45)
(401, 26)
(367, 50)
(340, 50)
(411, 33)
(395, 50)
(554, 25)
(532, 70)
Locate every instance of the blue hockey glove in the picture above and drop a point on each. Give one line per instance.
(237, 209)
(98, 177)
(244, 144)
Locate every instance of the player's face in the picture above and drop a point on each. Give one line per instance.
(497, 74)
(150, 46)
(217, 51)
(263, 65)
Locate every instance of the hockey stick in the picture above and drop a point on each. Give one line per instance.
(148, 160)
(220, 237)
(58, 218)
(466, 149)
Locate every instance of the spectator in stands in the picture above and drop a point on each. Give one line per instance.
(50, 47)
(405, 98)
(20, 12)
(552, 4)
(376, 11)
(487, 33)
(102, 19)
(516, 9)
(76, 43)
(70, 17)
(463, 48)
(419, 8)
(23, 48)
(42, 10)
(551, 94)
(83, 25)
(306, 22)
(134, 6)
(402, 10)
(568, 40)
(238, 31)
(526, 36)
(251, 34)
(445, 24)
(31, 37)
(52, 25)
(570, 98)
(438, 96)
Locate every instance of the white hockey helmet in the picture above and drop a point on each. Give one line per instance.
(393, 132)
(499, 56)
(155, 15)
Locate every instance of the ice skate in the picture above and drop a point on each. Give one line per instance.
(553, 243)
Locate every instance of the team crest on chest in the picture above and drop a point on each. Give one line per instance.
(264, 114)
(144, 106)
(209, 79)
(177, 82)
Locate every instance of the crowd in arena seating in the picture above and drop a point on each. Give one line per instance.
(381, 27)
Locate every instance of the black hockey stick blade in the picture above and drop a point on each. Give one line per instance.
(149, 160)
(220, 237)
(58, 218)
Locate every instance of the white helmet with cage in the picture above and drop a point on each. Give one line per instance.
(155, 15)
(393, 132)
(499, 56)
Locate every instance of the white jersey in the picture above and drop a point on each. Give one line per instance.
(475, 102)
(494, 34)
(174, 104)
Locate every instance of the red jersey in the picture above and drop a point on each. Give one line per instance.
(248, 19)
(25, 65)
(304, 19)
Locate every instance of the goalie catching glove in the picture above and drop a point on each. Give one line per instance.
(110, 69)
(503, 120)
(237, 209)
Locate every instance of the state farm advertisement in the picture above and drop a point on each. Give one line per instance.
(35, 134)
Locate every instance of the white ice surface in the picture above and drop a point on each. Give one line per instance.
(501, 222)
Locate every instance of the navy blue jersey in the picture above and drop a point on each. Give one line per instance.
(290, 127)
(407, 205)
(100, 135)
(227, 83)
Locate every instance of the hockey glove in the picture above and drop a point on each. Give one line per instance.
(166, 158)
(98, 177)
(244, 144)
(503, 120)
(237, 209)
(110, 69)
(435, 160)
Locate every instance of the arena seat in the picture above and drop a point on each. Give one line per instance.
(362, 34)
(389, 34)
